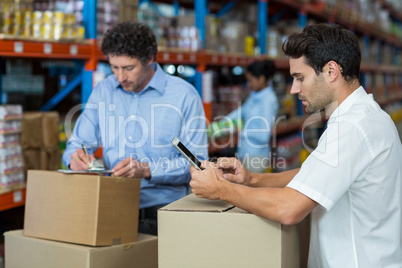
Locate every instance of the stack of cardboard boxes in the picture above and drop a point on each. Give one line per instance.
(40, 140)
(80, 220)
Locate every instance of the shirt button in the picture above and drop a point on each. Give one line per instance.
(130, 137)
(135, 96)
(132, 116)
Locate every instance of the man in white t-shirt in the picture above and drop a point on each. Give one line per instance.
(351, 183)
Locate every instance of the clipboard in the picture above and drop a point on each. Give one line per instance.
(68, 171)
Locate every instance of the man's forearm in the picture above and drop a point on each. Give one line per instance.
(284, 205)
(273, 179)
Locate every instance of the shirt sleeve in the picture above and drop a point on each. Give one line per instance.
(234, 115)
(86, 129)
(340, 159)
(194, 137)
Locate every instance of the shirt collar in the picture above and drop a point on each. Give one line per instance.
(348, 102)
(157, 81)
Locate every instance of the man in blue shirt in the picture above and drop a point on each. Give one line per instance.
(134, 114)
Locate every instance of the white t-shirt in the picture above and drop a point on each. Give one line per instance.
(355, 174)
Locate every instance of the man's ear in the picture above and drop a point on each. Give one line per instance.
(332, 70)
(262, 79)
(150, 62)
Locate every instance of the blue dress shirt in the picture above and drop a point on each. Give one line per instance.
(258, 113)
(142, 125)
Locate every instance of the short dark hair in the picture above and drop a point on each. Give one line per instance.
(321, 43)
(130, 39)
(263, 67)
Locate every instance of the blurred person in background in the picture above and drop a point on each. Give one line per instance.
(258, 113)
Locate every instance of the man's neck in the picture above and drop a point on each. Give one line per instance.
(342, 94)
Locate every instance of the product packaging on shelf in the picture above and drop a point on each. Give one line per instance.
(44, 20)
(11, 163)
(81, 208)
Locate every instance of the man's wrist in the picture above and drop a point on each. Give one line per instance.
(223, 189)
(253, 179)
(147, 171)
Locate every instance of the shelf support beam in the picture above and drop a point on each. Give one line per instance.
(226, 8)
(89, 19)
(262, 24)
(201, 12)
(176, 6)
(86, 77)
(62, 93)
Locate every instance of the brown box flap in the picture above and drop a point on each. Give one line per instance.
(192, 203)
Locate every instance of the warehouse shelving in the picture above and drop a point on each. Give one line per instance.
(45, 50)
(202, 59)
(89, 51)
(12, 199)
(85, 51)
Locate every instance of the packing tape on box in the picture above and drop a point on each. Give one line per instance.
(127, 246)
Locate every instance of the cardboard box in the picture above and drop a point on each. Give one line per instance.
(195, 232)
(234, 34)
(84, 209)
(50, 158)
(50, 126)
(23, 251)
(40, 130)
(31, 135)
(45, 159)
(31, 159)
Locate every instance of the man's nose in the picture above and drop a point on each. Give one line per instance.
(295, 89)
(121, 76)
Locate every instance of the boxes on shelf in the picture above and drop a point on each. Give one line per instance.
(40, 137)
(213, 39)
(205, 233)
(128, 10)
(79, 208)
(110, 12)
(11, 160)
(41, 253)
(234, 34)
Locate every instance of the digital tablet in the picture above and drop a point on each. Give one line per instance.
(186, 153)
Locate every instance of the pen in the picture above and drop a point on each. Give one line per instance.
(85, 150)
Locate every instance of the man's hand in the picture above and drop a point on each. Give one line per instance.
(131, 168)
(79, 161)
(207, 183)
(235, 171)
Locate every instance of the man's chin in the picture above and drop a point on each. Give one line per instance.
(311, 110)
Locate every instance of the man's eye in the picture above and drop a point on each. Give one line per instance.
(129, 68)
(300, 79)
